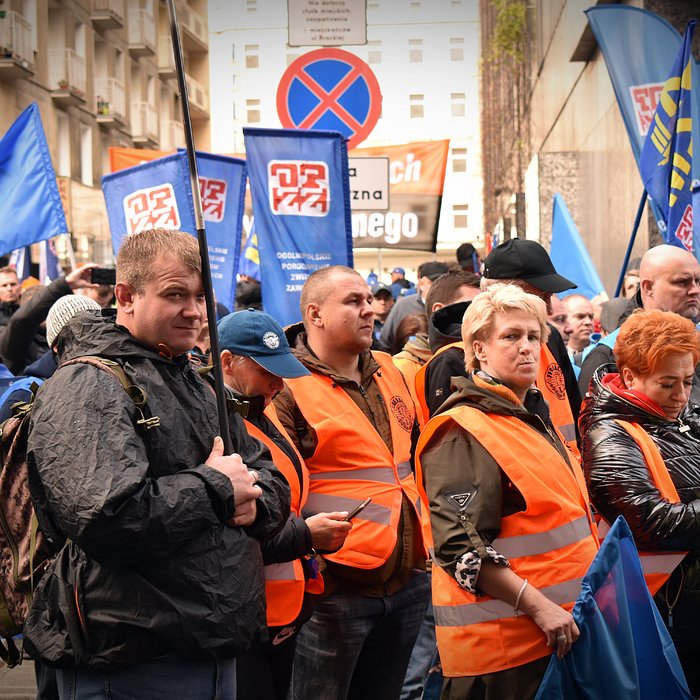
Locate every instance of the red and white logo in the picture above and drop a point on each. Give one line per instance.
(213, 194)
(684, 232)
(153, 207)
(298, 188)
(645, 98)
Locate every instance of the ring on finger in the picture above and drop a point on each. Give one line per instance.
(254, 474)
(562, 638)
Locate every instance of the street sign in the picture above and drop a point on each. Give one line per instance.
(324, 23)
(369, 184)
(330, 89)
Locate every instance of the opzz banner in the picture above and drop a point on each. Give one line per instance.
(157, 194)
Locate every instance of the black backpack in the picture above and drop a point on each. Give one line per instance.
(24, 553)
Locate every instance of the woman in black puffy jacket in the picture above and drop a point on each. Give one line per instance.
(641, 457)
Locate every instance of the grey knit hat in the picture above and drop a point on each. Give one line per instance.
(63, 311)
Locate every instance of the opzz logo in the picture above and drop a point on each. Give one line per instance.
(644, 99)
(213, 193)
(153, 207)
(298, 188)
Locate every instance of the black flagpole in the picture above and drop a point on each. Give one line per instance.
(201, 232)
(630, 245)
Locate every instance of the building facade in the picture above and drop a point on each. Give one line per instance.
(550, 123)
(425, 56)
(102, 73)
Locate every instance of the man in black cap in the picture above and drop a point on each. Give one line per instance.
(428, 272)
(382, 304)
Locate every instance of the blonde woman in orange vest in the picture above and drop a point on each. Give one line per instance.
(255, 358)
(508, 507)
(641, 456)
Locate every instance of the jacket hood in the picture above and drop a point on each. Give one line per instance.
(416, 350)
(95, 333)
(445, 325)
(602, 403)
(44, 367)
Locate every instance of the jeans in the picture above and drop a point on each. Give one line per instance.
(423, 658)
(166, 678)
(357, 647)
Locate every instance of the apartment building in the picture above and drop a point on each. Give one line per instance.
(102, 73)
(425, 56)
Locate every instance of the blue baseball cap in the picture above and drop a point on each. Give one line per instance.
(257, 335)
(398, 270)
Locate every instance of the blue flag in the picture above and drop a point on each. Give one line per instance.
(49, 267)
(250, 258)
(299, 182)
(569, 254)
(157, 194)
(30, 205)
(624, 651)
(666, 162)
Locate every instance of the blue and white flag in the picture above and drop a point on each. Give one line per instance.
(569, 254)
(157, 194)
(250, 257)
(666, 162)
(299, 182)
(624, 651)
(49, 267)
(30, 205)
(21, 260)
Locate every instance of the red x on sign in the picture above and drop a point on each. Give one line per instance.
(330, 89)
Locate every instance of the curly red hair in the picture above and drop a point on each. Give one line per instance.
(647, 337)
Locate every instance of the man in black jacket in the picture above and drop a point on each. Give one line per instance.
(158, 581)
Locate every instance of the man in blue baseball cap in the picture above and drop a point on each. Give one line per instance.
(255, 357)
(400, 286)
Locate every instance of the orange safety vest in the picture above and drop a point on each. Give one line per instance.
(409, 369)
(420, 382)
(551, 543)
(284, 582)
(550, 381)
(657, 565)
(352, 462)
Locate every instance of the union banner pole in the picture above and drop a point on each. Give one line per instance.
(635, 228)
(201, 231)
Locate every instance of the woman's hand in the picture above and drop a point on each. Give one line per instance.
(557, 624)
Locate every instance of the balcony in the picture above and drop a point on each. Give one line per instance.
(16, 54)
(108, 14)
(198, 97)
(110, 103)
(172, 135)
(166, 61)
(142, 33)
(144, 124)
(67, 77)
(194, 29)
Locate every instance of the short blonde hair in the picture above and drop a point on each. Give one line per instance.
(498, 299)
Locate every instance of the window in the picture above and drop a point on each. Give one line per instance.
(251, 5)
(374, 53)
(29, 13)
(458, 104)
(457, 49)
(252, 111)
(63, 144)
(86, 155)
(460, 215)
(251, 56)
(415, 50)
(416, 104)
(459, 160)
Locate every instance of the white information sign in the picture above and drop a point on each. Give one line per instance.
(327, 22)
(369, 184)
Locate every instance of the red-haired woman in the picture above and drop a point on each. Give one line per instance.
(641, 456)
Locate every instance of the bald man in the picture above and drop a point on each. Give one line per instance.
(669, 280)
(353, 421)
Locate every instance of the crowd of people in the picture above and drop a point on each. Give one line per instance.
(417, 481)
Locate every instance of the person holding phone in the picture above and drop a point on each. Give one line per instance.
(255, 360)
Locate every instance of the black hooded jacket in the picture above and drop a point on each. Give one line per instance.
(151, 566)
(619, 482)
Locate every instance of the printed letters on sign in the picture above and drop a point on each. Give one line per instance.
(645, 98)
(153, 207)
(298, 188)
(213, 193)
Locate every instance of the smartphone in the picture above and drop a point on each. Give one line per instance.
(359, 509)
(103, 275)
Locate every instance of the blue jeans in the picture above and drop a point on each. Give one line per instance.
(357, 647)
(167, 678)
(423, 658)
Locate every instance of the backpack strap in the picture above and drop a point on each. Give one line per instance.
(136, 393)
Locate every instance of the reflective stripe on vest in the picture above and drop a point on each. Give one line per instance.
(493, 609)
(352, 462)
(657, 566)
(551, 543)
(550, 381)
(284, 583)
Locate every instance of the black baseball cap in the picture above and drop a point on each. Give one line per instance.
(257, 335)
(377, 288)
(520, 259)
(432, 270)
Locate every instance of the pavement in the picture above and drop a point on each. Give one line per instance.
(18, 683)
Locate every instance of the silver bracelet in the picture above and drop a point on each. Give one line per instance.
(516, 609)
